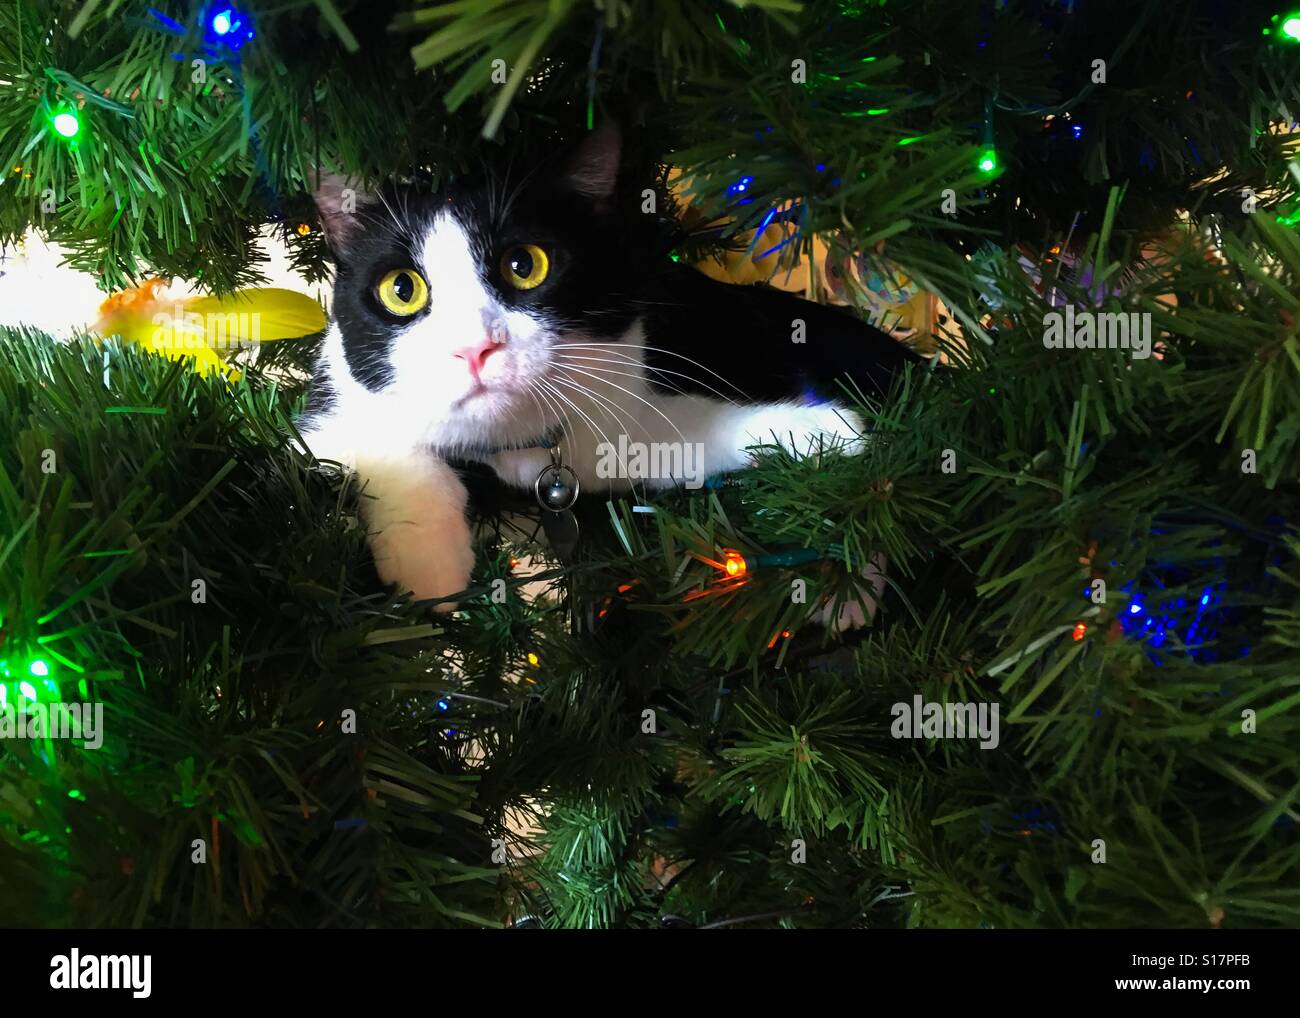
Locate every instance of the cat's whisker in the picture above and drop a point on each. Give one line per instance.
(597, 433)
(591, 424)
(403, 228)
(601, 437)
(625, 374)
(656, 349)
(612, 446)
(620, 388)
(512, 196)
(591, 393)
(609, 407)
(561, 418)
(531, 389)
(406, 205)
(592, 361)
(632, 361)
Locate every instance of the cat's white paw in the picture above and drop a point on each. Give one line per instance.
(423, 563)
(854, 614)
(803, 430)
(415, 512)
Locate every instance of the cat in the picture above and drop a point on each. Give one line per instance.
(520, 310)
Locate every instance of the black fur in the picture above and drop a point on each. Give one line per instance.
(745, 334)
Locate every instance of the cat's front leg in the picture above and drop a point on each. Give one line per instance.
(799, 430)
(729, 436)
(414, 508)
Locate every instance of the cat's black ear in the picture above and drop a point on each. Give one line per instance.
(593, 168)
(338, 200)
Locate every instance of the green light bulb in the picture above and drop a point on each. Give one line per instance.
(39, 668)
(66, 125)
(988, 161)
(27, 689)
(1291, 27)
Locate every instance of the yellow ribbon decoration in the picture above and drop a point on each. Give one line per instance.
(205, 328)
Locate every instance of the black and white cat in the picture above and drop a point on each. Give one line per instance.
(491, 320)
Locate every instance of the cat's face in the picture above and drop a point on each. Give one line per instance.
(461, 309)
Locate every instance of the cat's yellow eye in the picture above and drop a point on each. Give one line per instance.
(525, 266)
(403, 292)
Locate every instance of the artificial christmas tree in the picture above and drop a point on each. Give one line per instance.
(1075, 703)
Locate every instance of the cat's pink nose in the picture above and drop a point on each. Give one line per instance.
(476, 356)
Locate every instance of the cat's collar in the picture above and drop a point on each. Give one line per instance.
(547, 440)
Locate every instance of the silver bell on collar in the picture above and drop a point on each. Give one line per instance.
(557, 486)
